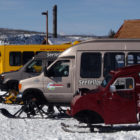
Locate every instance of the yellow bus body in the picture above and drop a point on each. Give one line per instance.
(6, 50)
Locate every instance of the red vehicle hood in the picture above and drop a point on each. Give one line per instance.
(97, 90)
(100, 89)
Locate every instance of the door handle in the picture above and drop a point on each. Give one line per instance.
(68, 85)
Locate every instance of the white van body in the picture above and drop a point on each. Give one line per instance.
(82, 67)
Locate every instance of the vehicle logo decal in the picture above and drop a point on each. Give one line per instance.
(52, 86)
(89, 82)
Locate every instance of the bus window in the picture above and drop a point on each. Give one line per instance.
(15, 58)
(138, 59)
(133, 58)
(27, 56)
(113, 61)
(91, 65)
(130, 59)
(38, 52)
(35, 66)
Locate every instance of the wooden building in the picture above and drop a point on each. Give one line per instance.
(129, 29)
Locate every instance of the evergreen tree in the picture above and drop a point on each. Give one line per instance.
(111, 34)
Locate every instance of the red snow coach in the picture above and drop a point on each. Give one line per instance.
(116, 101)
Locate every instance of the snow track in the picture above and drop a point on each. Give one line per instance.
(50, 129)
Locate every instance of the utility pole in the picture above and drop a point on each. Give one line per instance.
(46, 14)
(55, 21)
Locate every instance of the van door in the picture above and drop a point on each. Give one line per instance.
(58, 84)
(120, 104)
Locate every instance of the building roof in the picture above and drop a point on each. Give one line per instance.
(129, 29)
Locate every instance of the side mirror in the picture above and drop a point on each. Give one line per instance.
(112, 88)
(28, 69)
(47, 72)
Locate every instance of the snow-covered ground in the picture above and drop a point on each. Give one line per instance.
(50, 129)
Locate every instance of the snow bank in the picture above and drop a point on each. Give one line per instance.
(38, 39)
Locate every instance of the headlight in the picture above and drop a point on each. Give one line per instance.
(1, 78)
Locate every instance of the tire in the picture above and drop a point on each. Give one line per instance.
(32, 105)
(34, 102)
(89, 117)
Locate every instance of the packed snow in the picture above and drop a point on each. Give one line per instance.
(50, 129)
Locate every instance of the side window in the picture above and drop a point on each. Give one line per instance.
(124, 83)
(60, 69)
(133, 58)
(38, 52)
(91, 65)
(35, 66)
(27, 56)
(113, 61)
(15, 58)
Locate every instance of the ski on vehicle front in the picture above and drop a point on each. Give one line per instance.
(98, 128)
(29, 111)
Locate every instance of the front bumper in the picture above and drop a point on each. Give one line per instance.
(3, 86)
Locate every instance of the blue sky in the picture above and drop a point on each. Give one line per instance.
(92, 17)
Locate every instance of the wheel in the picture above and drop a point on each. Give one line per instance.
(89, 117)
(32, 106)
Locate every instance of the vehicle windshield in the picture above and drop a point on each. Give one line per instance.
(35, 66)
(106, 80)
